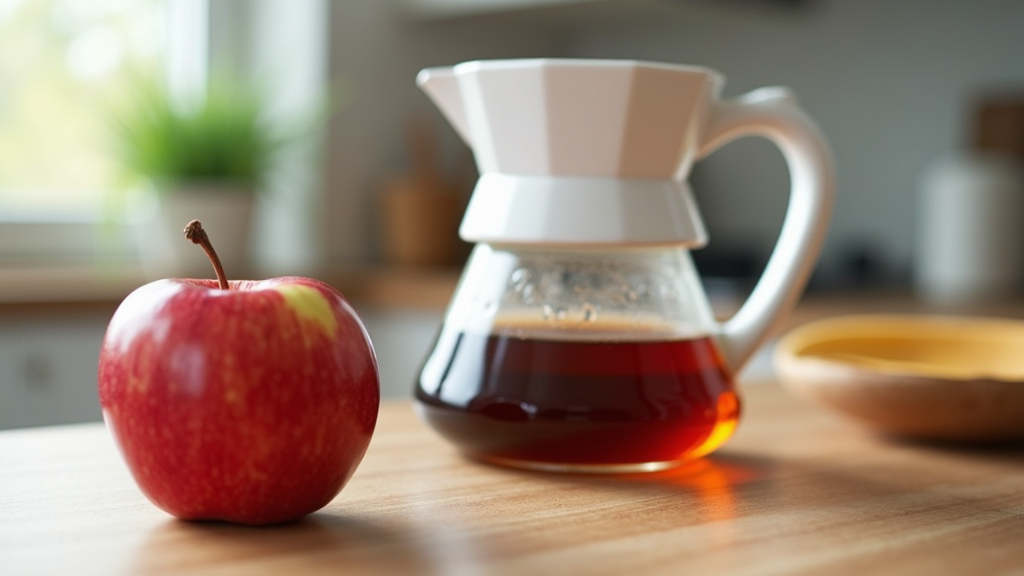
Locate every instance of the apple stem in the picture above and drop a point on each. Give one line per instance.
(194, 232)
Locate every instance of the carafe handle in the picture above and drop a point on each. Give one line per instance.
(774, 114)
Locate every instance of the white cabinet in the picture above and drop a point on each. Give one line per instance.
(48, 365)
(456, 8)
(569, 13)
(402, 339)
(48, 359)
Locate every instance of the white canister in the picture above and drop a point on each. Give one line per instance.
(971, 229)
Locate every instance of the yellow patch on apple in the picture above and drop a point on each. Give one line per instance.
(309, 304)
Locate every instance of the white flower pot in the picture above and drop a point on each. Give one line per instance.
(226, 211)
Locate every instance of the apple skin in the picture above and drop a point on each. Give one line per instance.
(252, 405)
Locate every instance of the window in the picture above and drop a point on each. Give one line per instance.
(63, 65)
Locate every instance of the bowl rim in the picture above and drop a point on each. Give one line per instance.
(790, 346)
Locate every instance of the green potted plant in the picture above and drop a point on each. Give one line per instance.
(204, 159)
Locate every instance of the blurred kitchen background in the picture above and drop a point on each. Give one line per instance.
(368, 194)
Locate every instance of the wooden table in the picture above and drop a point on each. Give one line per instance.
(797, 491)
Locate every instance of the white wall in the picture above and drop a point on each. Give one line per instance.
(890, 82)
(377, 49)
(282, 47)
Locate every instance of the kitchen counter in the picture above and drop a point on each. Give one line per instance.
(40, 288)
(796, 491)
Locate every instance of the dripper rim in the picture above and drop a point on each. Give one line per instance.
(470, 66)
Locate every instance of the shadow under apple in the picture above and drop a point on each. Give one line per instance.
(319, 543)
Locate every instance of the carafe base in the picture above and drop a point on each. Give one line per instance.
(631, 468)
(548, 447)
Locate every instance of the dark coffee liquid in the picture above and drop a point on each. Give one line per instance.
(578, 403)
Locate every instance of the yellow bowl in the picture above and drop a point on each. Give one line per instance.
(928, 377)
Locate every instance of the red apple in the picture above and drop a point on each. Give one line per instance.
(251, 404)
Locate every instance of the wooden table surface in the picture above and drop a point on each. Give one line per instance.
(797, 491)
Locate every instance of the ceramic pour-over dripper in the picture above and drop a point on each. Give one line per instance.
(611, 143)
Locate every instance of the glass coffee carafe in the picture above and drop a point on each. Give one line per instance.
(579, 337)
